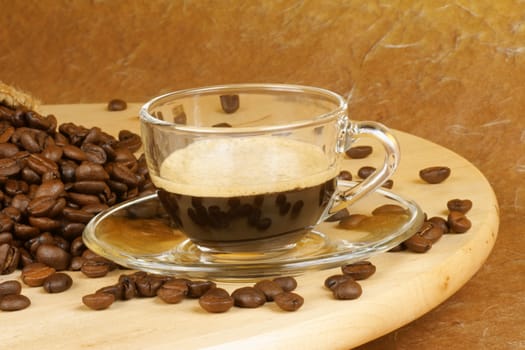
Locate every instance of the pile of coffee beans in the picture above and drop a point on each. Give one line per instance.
(211, 298)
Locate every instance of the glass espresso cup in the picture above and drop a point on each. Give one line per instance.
(253, 167)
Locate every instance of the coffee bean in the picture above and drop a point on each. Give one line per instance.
(9, 258)
(57, 283)
(248, 297)
(115, 290)
(34, 274)
(418, 244)
(332, 281)
(359, 152)
(461, 205)
(365, 171)
(117, 104)
(435, 174)
(389, 184)
(98, 301)
(75, 153)
(173, 291)
(14, 302)
(8, 150)
(458, 222)
(229, 103)
(90, 171)
(221, 125)
(359, 270)
(94, 153)
(148, 286)
(53, 256)
(345, 175)
(347, 290)
(439, 222)
(41, 206)
(197, 288)
(431, 231)
(269, 288)
(10, 287)
(289, 301)
(95, 269)
(129, 140)
(287, 283)
(216, 300)
(9, 166)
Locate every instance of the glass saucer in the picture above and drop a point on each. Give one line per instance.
(137, 234)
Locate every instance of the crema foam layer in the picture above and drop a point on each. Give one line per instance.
(227, 167)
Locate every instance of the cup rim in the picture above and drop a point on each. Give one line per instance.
(341, 103)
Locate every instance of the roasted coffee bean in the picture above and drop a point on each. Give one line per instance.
(439, 222)
(6, 222)
(34, 274)
(6, 237)
(98, 301)
(248, 297)
(129, 140)
(269, 288)
(148, 286)
(77, 215)
(431, 232)
(75, 153)
(52, 188)
(339, 215)
(117, 104)
(89, 171)
(30, 176)
(352, 221)
(332, 281)
(345, 175)
(216, 300)
(53, 256)
(41, 206)
(53, 152)
(389, 184)
(418, 244)
(359, 270)
(121, 173)
(230, 103)
(41, 164)
(197, 288)
(82, 199)
(13, 187)
(359, 152)
(129, 290)
(57, 283)
(43, 223)
(222, 125)
(173, 291)
(458, 222)
(72, 230)
(94, 153)
(14, 302)
(289, 301)
(347, 290)
(9, 258)
(389, 209)
(10, 287)
(8, 150)
(29, 143)
(287, 283)
(365, 171)
(115, 289)
(6, 133)
(77, 247)
(435, 174)
(95, 269)
(76, 263)
(461, 205)
(9, 166)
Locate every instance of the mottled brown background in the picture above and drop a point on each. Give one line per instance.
(450, 71)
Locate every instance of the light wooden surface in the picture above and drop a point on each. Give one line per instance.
(405, 286)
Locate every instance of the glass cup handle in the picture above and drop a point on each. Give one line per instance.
(380, 132)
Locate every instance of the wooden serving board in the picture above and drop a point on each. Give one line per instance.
(405, 286)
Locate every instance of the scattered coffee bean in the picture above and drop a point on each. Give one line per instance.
(173, 291)
(57, 282)
(287, 283)
(332, 281)
(389, 209)
(269, 288)
(248, 297)
(347, 290)
(439, 222)
(34, 274)
(216, 300)
(345, 175)
(418, 244)
(117, 105)
(14, 302)
(365, 171)
(10, 287)
(289, 301)
(359, 152)
(461, 205)
(98, 301)
(197, 288)
(458, 222)
(435, 174)
(229, 103)
(431, 231)
(359, 270)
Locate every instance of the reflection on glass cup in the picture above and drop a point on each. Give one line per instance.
(253, 167)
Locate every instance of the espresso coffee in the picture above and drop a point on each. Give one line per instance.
(226, 192)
